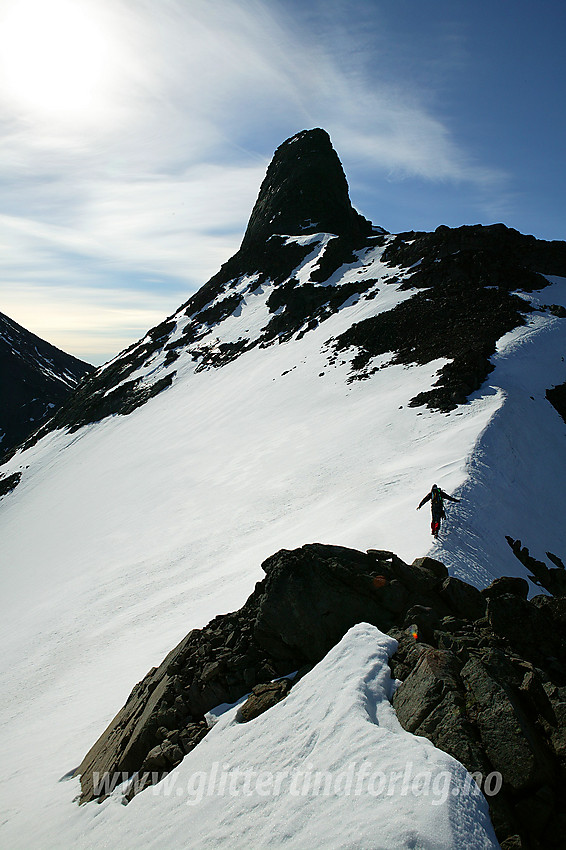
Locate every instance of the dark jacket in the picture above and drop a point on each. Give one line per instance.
(437, 503)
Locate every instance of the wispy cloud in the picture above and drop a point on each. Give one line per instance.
(86, 320)
(149, 186)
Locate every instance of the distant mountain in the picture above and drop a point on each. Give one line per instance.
(35, 380)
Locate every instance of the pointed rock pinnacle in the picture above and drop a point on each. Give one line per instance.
(304, 191)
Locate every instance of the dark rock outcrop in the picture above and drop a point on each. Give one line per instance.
(507, 584)
(483, 675)
(557, 395)
(468, 277)
(9, 483)
(304, 191)
(552, 579)
(93, 401)
(466, 281)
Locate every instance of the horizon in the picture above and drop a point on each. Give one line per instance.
(135, 137)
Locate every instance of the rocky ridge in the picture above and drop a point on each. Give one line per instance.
(468, 279)
(483, 675)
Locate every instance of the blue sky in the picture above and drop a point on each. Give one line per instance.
(134, 135)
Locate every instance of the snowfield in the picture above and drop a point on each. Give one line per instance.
(125, 535)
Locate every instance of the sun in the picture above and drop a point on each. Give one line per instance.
(53, 55)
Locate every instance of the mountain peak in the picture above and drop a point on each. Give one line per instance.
(304, 191)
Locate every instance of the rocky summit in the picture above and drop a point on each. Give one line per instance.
(304, 191)
(482, 675)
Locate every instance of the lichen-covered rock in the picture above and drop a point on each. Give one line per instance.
(261, 698)
(510, 740)
(434, 675)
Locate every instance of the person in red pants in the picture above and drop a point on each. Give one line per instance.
(436, 498)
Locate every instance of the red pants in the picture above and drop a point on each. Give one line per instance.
(435, 526)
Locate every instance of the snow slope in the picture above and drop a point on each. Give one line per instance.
(516, 472)
(123, 536)
(330, 766)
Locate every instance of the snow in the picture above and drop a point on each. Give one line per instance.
(122, 537)
(516, 473)
(329, 766)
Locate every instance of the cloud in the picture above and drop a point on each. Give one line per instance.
(133, 253)
(194, 79)
(91, 322)
(181, 227)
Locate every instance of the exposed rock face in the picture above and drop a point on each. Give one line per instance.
(557, 395)
(9, 483)
(35, 380)
(105, 394)
(484, 675)
(304, 191)
(468, 276)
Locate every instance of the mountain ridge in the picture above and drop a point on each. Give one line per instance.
(35, 379)
(308, 245)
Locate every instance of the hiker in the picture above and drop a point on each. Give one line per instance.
(436, 497)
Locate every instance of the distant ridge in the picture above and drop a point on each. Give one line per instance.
(35, 380)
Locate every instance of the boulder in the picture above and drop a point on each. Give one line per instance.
(164, 756)
(463, 599)
(510, 740)
(507, 584)
(435, 673)
(437, 568)
(262, 698)
(312, 596)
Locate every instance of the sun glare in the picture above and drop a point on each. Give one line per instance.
(53, 55)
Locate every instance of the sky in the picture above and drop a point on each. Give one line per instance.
(134, 136)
